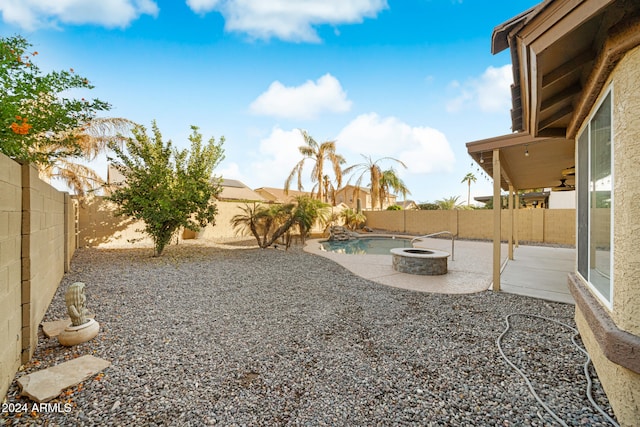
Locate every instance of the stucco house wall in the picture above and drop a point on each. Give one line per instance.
(622, 385)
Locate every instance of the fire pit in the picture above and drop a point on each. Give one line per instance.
(428, 262)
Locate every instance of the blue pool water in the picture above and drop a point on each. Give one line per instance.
(366, 245)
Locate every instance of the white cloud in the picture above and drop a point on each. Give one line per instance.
(230, 171)
(489, 93)
(278, 154)
(422, 149)
(306, 101)
(285, 19)
(32, 14)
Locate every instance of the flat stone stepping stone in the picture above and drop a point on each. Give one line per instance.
(53, 329)
(47, 384)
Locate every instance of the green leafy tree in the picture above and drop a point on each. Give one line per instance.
(428, 206)
(318, 154)
(371, 169)
(165, 187)
(35, 112)
(394, 208)
(468, 178)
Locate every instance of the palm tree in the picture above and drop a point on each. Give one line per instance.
(448, 203)
(468, 178)
(268, 224)
(317, 153)
(371, 169)
(91, 140)
(307, 212)
(390, 181)
(329, 190)
(352, 219)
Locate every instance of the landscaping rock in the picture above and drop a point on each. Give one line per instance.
(47, 384)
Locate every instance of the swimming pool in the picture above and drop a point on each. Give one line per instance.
(366, 245)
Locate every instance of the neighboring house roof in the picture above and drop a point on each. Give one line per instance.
(114, 176)
(353, 187)
(278, 195)
(407, 204)
(235, 190)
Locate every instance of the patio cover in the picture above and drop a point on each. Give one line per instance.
(541, 168)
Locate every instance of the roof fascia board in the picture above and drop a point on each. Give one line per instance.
(544, 29)
(568, 21)
(498, 142)
(547, 18)
(534, 86)
(523, 72)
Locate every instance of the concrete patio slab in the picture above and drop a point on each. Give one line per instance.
(540, 272)
(535, 271)
(469, 272)
(47, 384)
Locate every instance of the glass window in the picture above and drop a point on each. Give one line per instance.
(595, 185)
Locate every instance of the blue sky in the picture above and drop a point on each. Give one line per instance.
(410, 79)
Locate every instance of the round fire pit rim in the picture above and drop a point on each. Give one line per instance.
(424, 253)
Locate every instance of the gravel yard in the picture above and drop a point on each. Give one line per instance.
(212, 336)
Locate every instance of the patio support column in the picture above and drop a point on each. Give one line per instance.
(511, 214)
(497, 208)
(516, 218)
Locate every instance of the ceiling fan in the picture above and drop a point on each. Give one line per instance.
(564, 186)
(569, 171)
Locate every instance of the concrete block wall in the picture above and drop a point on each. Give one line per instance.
(223, 229)
(70, 229)
(10, 271)
(559, 226)
(433, 222)
(533, 225)
(98, 225)
(475, 224)
(43, 253)
(36, 245)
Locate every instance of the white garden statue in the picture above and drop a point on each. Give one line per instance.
(82, 328)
